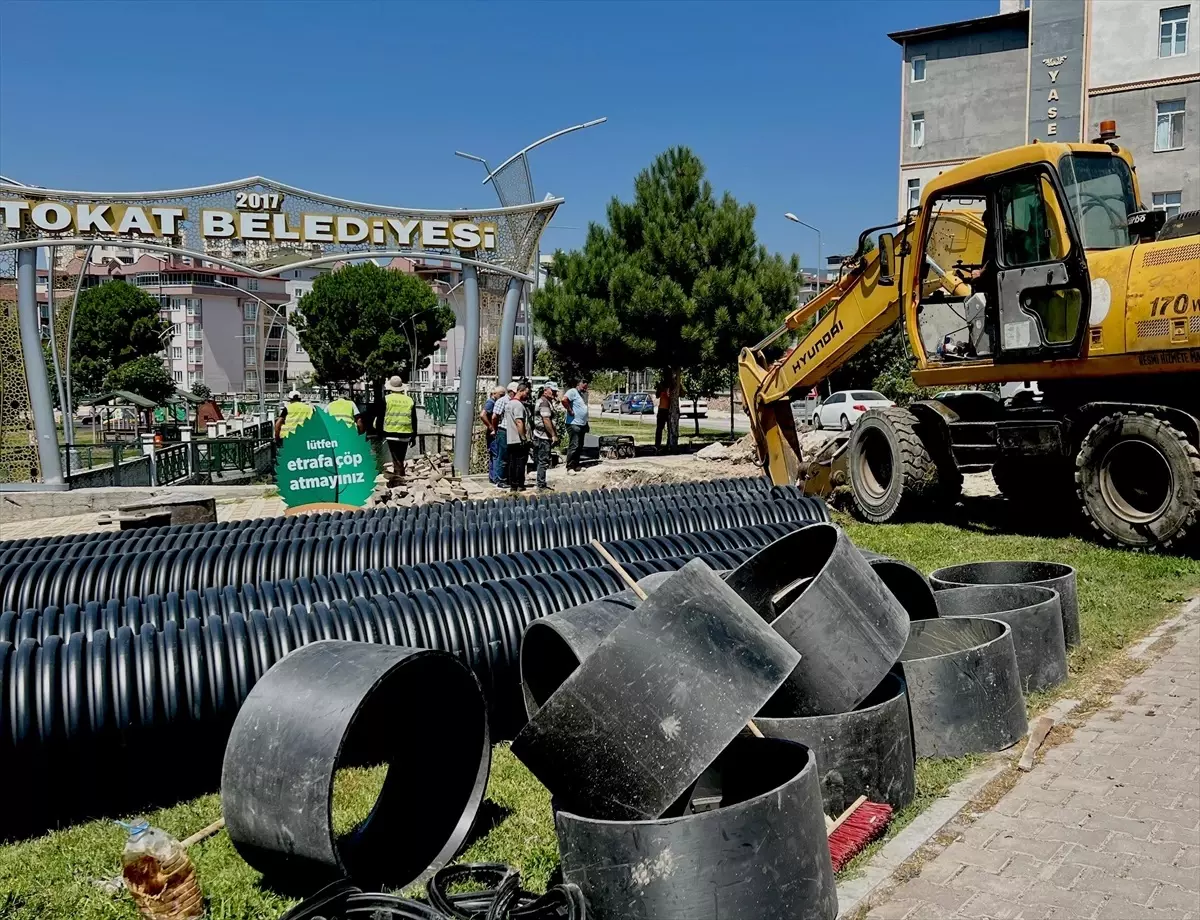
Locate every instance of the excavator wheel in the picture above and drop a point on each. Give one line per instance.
(899, 466)
(1139, 479)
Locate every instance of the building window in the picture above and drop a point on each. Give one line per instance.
(1172, 31)
(918, 69)
(178, 376)
(917, 138)
(1168, 133)
(1170, 202)
(250, 356)
(250, 333)
(271, 355)
(195, 377)
(176, 352)
(194, 306)
(296, 273)
(250, 310)
(251, 380)
(439, 356)
(251, 284)
(196, 355)
(914, 193)
(177, 329)
(299, 349)
(194, 330)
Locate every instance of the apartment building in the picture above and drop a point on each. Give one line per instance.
(1053, 70)
(227, 328)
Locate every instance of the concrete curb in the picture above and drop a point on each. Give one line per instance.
(859, 893)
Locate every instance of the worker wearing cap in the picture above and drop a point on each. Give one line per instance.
(399, 422)
(346, 410)
(292, 416)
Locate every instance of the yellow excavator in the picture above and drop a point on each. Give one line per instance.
(1036, 263)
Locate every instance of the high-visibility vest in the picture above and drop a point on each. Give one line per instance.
(397, 418)
(297, 414)
(342, 410)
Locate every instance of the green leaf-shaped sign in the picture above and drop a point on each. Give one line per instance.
(325, 461)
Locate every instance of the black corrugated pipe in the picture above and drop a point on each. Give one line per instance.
(57, 582)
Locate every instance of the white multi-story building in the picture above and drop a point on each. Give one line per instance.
(1053, 70)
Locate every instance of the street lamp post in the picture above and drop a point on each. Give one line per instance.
(792, 217)
(504, 191)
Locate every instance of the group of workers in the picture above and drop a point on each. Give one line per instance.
(517, 422)
(399, 419)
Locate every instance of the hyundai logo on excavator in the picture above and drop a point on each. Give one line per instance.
(818, 345)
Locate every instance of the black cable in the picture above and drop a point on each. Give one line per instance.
(504, 899)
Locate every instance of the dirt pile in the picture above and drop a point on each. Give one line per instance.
(428, 479)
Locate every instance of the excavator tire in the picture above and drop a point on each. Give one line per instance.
(899, 467)
(1139, 479)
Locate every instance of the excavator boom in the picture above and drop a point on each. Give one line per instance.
(848, 315)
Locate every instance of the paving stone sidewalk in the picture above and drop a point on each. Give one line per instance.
(1107, 826)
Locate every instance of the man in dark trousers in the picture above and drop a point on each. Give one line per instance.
(575, 401)
(544, 434)
(399, 423)
(517, 437)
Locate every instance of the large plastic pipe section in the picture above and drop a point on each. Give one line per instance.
(1054, 575)
(336, 704)
(761, 855)
(821, 595)
(964, 688)
(632, 728)
(1036, 620)
(868, 751)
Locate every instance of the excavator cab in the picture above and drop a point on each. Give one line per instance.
(1004, 277)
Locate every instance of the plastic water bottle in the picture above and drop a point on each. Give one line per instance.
(159, 874)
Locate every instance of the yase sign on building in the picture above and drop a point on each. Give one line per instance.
(325, 462)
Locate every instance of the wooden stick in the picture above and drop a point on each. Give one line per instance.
(637, 589)
(831, 826)
(203, 833)
(1037, 734)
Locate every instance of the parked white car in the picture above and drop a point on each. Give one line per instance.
(693, 408)
(843, 408)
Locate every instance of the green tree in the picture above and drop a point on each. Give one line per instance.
(115, 323)
(201, 391)
(362, 321)
(676, 281)
(144, 376)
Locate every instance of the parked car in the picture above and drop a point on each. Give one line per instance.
(611, 403)
(843, 408)
(638, 404)
(693, 408)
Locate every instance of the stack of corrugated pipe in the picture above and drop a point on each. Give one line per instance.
(116, 645)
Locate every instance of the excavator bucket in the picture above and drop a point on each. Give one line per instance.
(828, 469)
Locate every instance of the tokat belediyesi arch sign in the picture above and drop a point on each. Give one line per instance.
(198, 222)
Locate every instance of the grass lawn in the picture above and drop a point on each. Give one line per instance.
(643, 433)
(1122, 596)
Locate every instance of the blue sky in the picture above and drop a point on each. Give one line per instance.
(792, 106)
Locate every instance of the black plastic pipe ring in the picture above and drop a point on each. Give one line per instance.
(622, 737)
(761, 855)
(1054, 575)
(845, 623)
(906, 582)
(964, 688)
(331, 704)
(868, 751)
(1035, 616)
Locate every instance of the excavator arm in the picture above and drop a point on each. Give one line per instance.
(848, 315)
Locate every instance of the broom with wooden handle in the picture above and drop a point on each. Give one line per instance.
(857, 826)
